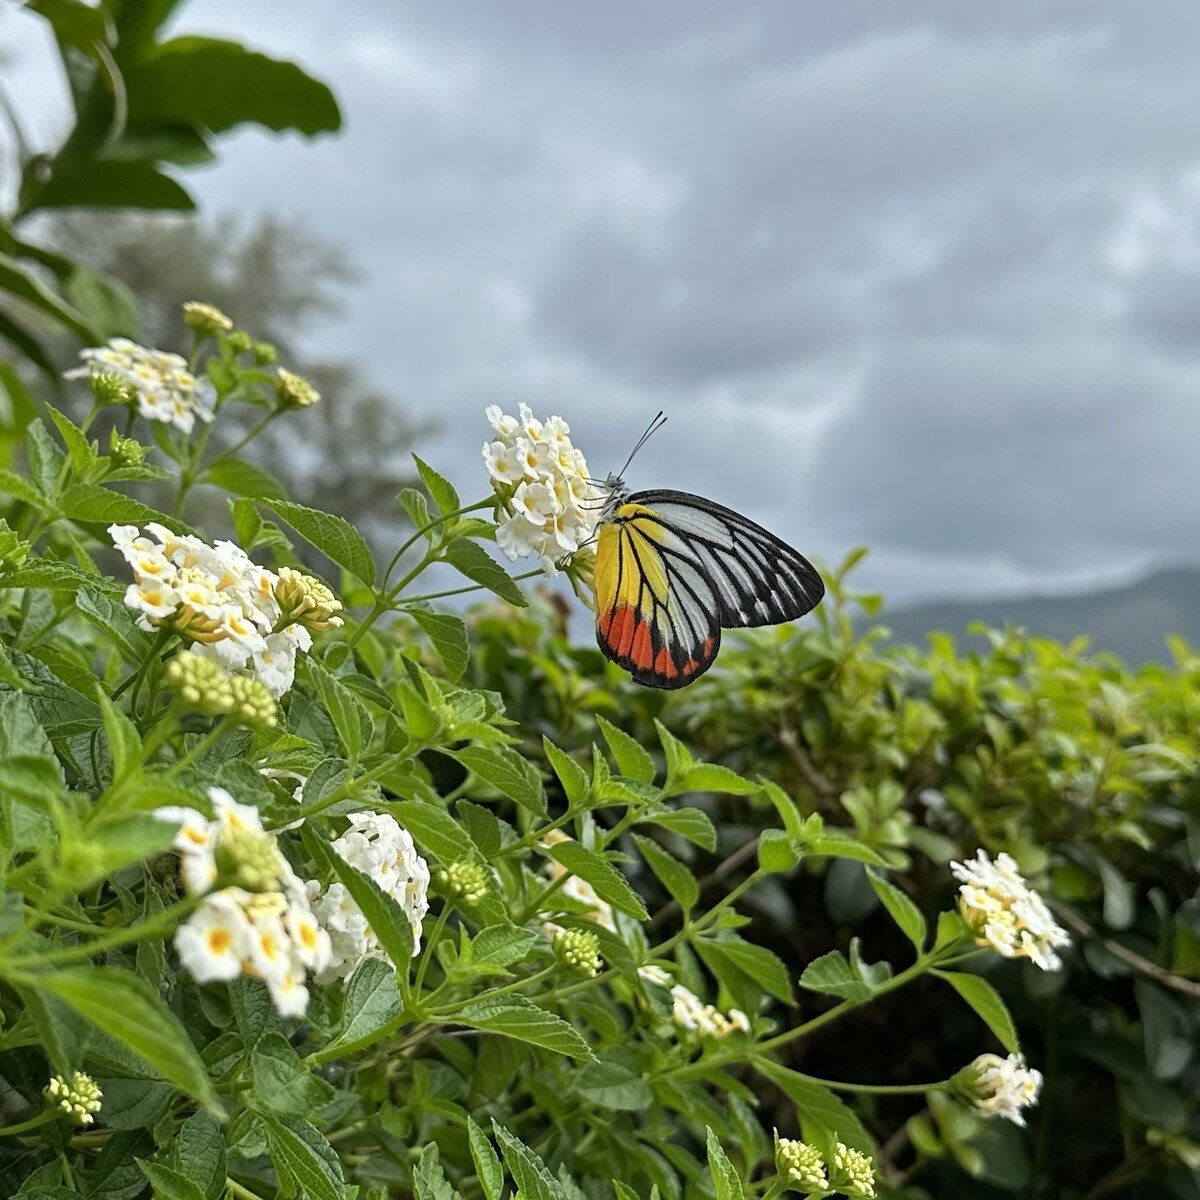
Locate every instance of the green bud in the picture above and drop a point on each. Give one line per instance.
(294, 391)
(109, 388)
(465, 881)
(13, 548)
(253, 704)
(239, 341)
(200, 684)
(264, 353)
(125, 451)
(247, 858)
(852, 1172)
(80, 1098)
(205, 319)
(579, 951)
(800, 1165)
(306, 600)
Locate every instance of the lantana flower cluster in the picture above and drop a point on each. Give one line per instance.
(691, 1013)
(80, 1097)
(376, 845)
(1002, 911)
(803, 1169)
(260, 923)
(543, 482)
(999, 1087)
(242, 615)
(158, 381)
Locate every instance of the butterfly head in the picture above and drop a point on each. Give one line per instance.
(613, 493)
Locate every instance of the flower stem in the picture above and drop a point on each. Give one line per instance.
(42, 1118)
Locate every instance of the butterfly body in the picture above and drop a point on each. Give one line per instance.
(674, 569)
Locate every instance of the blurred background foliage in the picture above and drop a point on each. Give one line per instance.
(1085, 771)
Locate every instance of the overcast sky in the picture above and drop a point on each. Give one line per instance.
(920, 276)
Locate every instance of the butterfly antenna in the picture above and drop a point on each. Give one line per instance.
(659, 421)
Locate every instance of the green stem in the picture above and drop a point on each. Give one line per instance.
(346, 790)
(226, 723)
(156, 925)
(346, 1049)
(472, 587)
(881, 1089)
(430, 942)
(448, 1010)
(420, 533)
(42, 1118)
(161, 639)
(255, 430)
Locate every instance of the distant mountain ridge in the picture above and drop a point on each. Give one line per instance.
(1129, 620)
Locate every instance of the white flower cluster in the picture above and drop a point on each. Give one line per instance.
(548, 496)
(269, 933)
(381, 849)
(164, 388)
(1001, 1087)
(1004, 912)
(80, 1099)
(215, 596)
(691, 1014)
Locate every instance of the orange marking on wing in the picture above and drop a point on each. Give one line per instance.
(708, 647)
(641, 652)
(604, 622)
(690, 667)
(619, 634)
(664, 664)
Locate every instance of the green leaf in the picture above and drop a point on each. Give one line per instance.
(499, 946)
(334, 536)
(487, 1162)
(350, 719)
(169, 1184)
(672, 874)
(107, 844)
(608, 882)
(17, 486)
(776, 851)
(113, 620)
(385, 917)
(530, 1174)
(429, 1180)
(110, 183)
(125, 1008)
(200, 1154)
(124, 741)
(244, 479)
(832, 975)
(473, 561)
(372, 1000)
(762, 967)
(280, 1080)
(448, 634)
(691, 823)
(21, 282)
(417, 507)
(678, 757)
(833, 845)
(506, 771)
(903, 911)
(211, 84)
(50, 575)
(727, 1183)
(570, 774)
(632, 759)
(988, 1005)
(711, 777)
(824, 1119)
(615, 1083)
(301, 1154)
(62, 1032)
(434, 828)
(246, 522)
(516, 1017)
(95, 505)
(439, 487)
(79, 450)
(105, 301)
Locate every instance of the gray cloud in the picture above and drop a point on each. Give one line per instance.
(923, 278)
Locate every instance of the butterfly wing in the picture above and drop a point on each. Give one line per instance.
(757, 578)
(657, 613)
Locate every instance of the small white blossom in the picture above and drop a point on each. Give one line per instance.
(270, 933)
(1002, 911)
(999, 1087)
(164, 389)
(216, 597)
(549, 500)
(376, 845)
(691, 1014)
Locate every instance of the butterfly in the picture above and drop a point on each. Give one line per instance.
(673, 570)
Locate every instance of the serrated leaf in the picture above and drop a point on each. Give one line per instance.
(434, 828)
(114, 620)
(487, 1162)
(570, 774)
(448, 634)
(608, 882)
(529, 1173)
(988, 1006)
(903, 911)
(691, 823)
(95, 505)
(711, 777)
(631, 757)
(762, 967)
(334, 536)
(244, 479)
(169, 1184)
(832, 975)
(372, 1000)
(824, 1119)
(439, 487)
(200, 1154)
(516, 1017)
(672, 874)
(501, 945)
(506, 771)
(125, 1008)
(300, 1153)
(429, 1180)
(727, 1183)
(473, 561)
(614, 1084)
(280, 1080)
(832, 845)
(776, 851)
